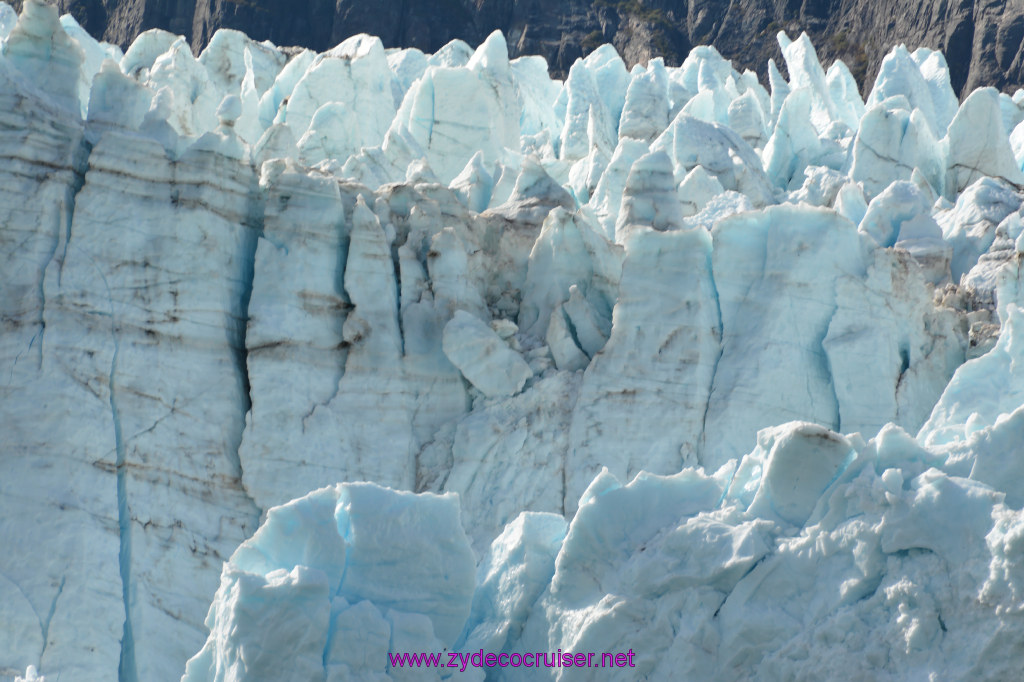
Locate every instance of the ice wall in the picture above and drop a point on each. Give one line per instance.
(625, 318)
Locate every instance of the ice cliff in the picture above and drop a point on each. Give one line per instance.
(380, 351)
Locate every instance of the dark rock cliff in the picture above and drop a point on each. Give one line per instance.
(982, 39)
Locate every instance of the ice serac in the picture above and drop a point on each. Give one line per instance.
(376, 443)
(697, 190)
(775, 273)
(94, 54)
(901, 75)
(61, 598)
(508, 233)
(297, 601)
(994, 280)
(645, 113)
(406, 66)
(474, 184)
(890, 349)
(43, 58)
(793, 145)
(890, 143)
(802, 461)
(354, 74)
(901, 202)
(805, 72)
(116, 101)
(978, 144)
(747, 118)
(935, 70)
(570, 252)
(606, 199)
(230, 54)
(583, 103)
(538, 93)
(649, 198)
(983, 392)
(690, 142)
(295, 350)
(174, 316)
(655, 372)
(352, 563)
(845, 93)
(611, 77)
(970, 226)
(441, 272)
(487, 120)
(191, 99)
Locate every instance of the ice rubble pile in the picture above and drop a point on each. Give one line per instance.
(592, 309)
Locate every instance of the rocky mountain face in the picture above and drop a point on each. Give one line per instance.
(982, 39)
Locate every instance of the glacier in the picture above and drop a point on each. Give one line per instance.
(307, 360)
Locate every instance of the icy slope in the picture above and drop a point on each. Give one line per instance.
(612, 329)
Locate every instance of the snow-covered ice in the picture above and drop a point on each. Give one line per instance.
(310, 359)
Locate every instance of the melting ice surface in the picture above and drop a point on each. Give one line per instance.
(566, 365)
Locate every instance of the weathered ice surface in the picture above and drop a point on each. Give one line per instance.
(70, 515)
(657, 367)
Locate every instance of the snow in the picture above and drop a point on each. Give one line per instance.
(651, 361)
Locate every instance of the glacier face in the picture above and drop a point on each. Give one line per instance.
(595, 343)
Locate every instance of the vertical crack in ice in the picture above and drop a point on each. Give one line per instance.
(573, 334)
(397, 270)
(433, 114)
(904, 351)
(331, 622)
(81, 168)
(62, 233)
(565, 482)
(41, 321)
(49, 618)
(714, 366)
(826, 366)
(253, 230)
(126, 671)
